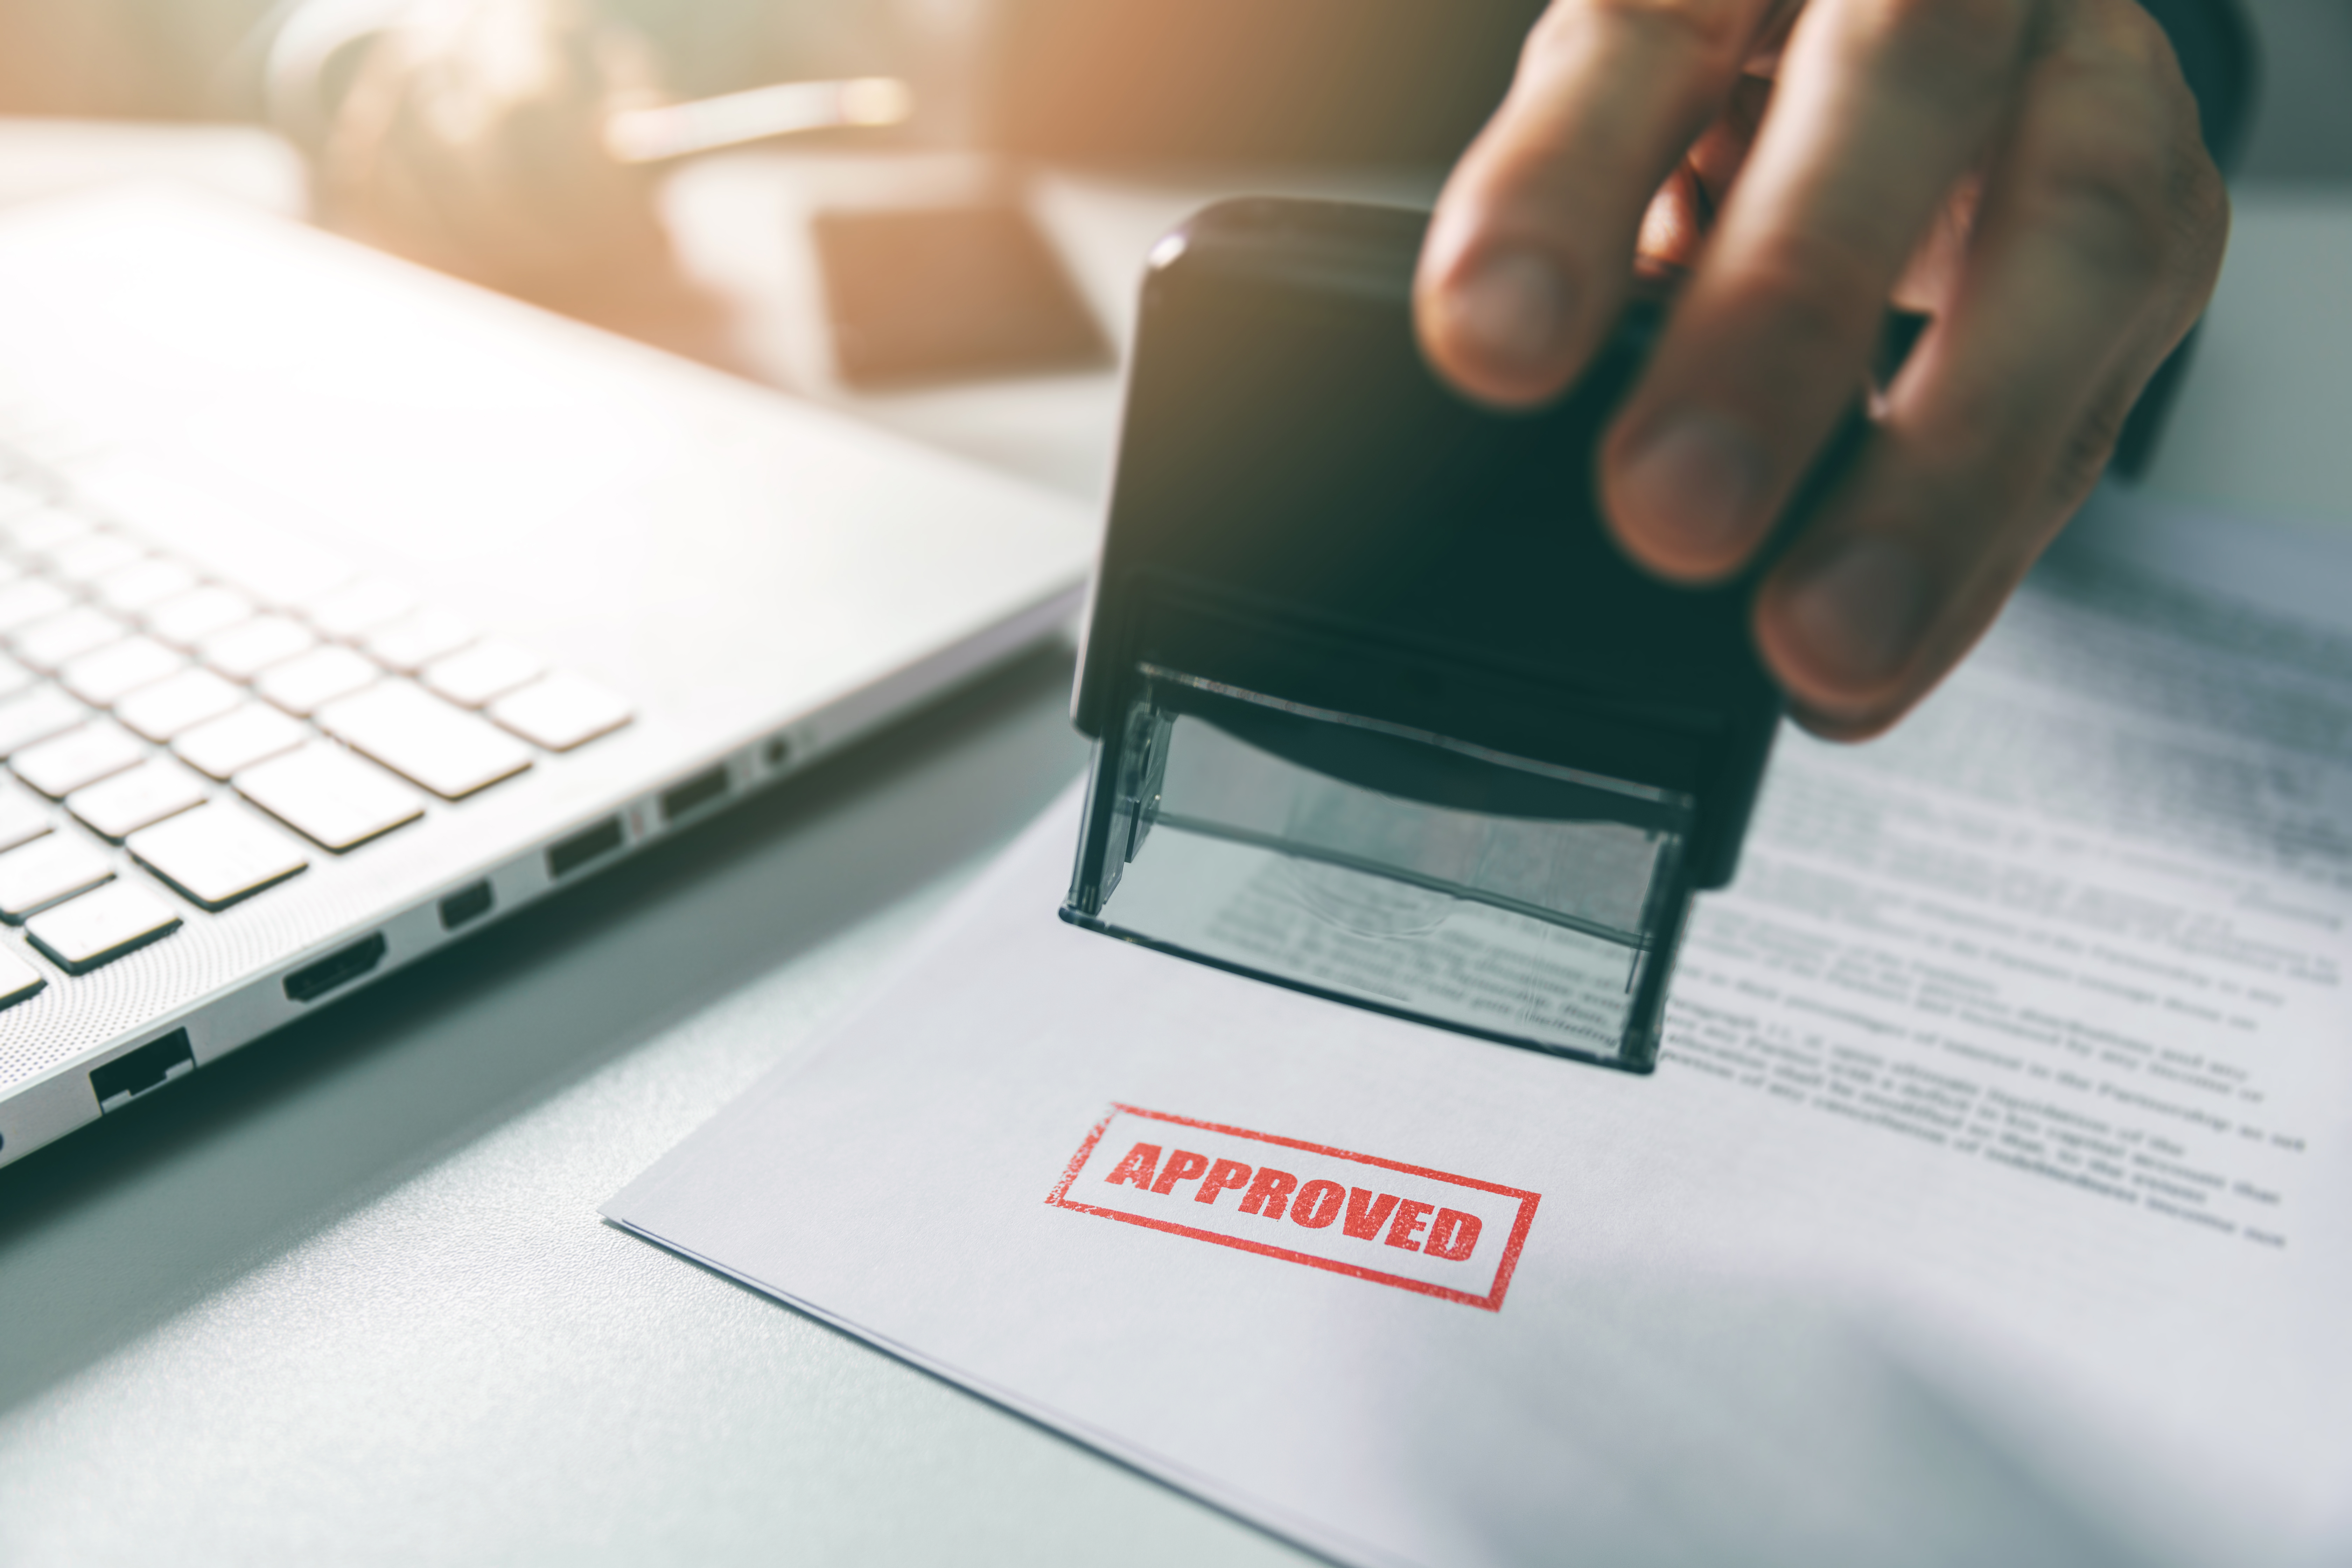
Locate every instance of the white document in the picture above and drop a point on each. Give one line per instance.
(1992, 1203)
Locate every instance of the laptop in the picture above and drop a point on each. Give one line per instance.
(345, 608)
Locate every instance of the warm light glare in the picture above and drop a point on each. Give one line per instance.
(678, 130)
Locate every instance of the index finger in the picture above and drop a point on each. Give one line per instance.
(1530, 246)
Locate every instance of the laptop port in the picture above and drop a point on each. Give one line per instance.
(583, 847)
(314, 980)
(134, 1073)
(694, 794)
(465, 904)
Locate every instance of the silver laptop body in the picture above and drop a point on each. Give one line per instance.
(346, 608)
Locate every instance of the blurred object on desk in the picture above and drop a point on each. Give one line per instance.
(509, 142)
(742, 224)
(665, 132)
(470, 138)
(949, 293)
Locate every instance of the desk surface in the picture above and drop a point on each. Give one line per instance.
(345, 1296)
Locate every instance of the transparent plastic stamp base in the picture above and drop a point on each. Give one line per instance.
(1388, 868)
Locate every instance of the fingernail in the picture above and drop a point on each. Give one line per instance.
(1859, 615)
(1693, 488)
(1509, 309)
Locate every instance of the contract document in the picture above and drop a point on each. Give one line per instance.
(1993, 1202)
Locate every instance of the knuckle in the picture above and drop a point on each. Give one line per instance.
(2129, 172)
(2116, 197)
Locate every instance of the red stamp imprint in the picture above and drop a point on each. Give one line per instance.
(1382, 1220)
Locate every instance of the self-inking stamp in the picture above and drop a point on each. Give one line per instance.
(1381, 710)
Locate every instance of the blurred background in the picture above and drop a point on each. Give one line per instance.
(1106, 78)
(1129, 77)
(483, 137)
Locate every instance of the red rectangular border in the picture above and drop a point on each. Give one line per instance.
(1492, 1302)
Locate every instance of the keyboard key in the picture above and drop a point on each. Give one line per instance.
(448, 750)
(562, 711)
(56, 866)
(248, 648)
(101, 926)
(14, 677)
(38, 714)
(64, 763)
(133, 590)
(328, 795)
(485, 670)
(141, 797)
(217, 855)
(84, 560)
(177, 703)
(22, 819)
(186, 619)
(359, 608)
(53, 644)
(18, 979)
(308, 681)
(408, 645)
(105, 678)
(22, 604)
(236, 740)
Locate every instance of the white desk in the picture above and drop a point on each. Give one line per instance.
(345, 1296)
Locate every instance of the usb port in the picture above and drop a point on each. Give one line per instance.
(338, 968)
(583, 847)
(134, 1073)
(694, 794)
(467, 903)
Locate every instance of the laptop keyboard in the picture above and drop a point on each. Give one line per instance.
(149, 705)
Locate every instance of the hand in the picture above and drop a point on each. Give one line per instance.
(2029, 172)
